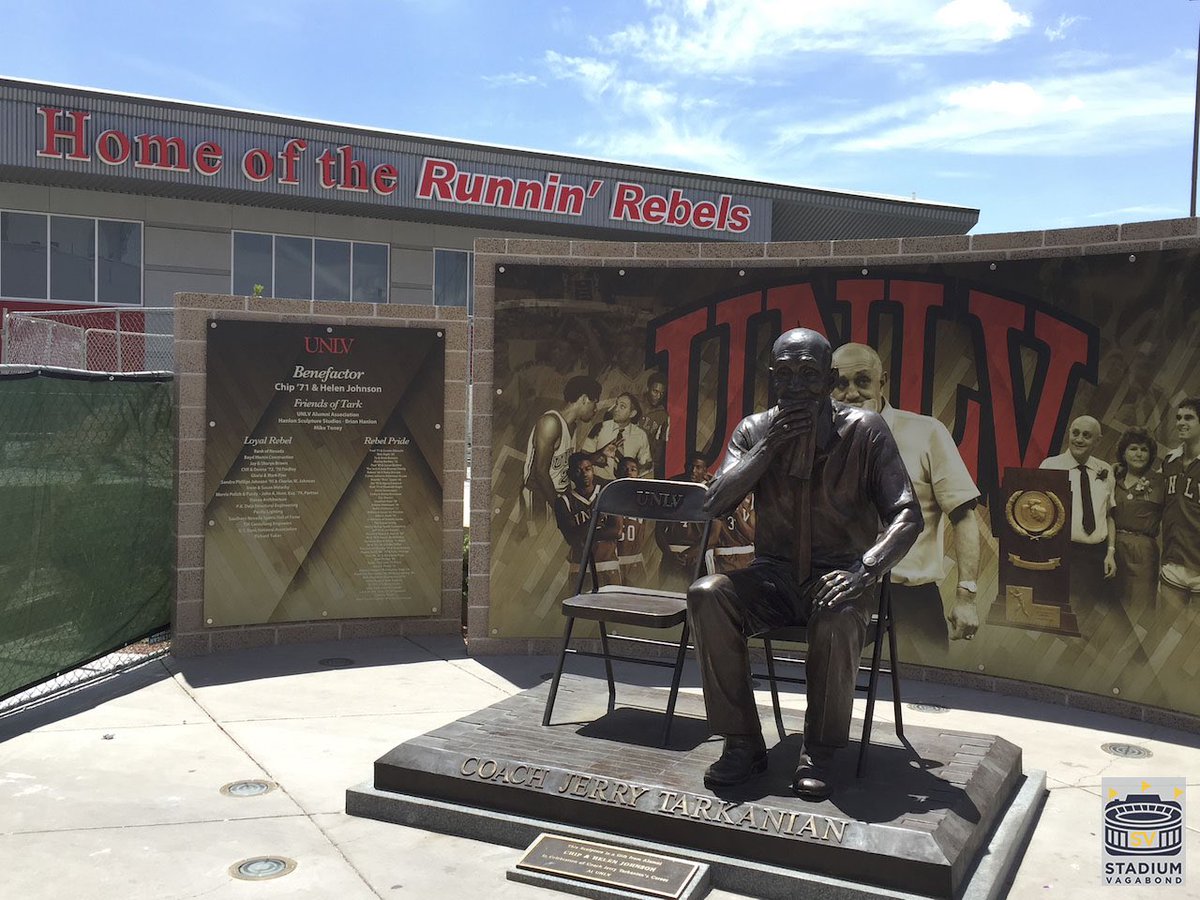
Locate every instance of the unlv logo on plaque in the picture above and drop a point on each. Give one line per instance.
(1035, 578)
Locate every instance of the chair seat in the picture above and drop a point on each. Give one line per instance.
(650, 609)
(798, 634)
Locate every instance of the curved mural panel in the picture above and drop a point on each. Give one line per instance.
(1043, 408)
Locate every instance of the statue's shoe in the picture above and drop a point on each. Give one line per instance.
(744, 757)
(811, 781)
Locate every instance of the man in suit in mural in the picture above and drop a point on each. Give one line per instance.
(843, 465)
(1179, 577)
(618, 437)
(1091, 509)
(947, 494)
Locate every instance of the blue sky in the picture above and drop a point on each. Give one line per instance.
(1042, 113)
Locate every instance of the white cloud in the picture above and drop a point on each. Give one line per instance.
(593, 75)
(1088, 113)
(511, 79)
(1059, 31)
(645, 121)
(1138, 213)
(734, 37)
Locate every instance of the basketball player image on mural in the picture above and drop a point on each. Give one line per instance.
(655, 422)
(1091, 566)
(680, 541)
(550, 445)
(1179, 589)
(626, 373)
(734, 546)
(947, 494)
(573, 514)
(631, 543)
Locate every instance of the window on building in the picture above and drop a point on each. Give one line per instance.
(305, 268)
(453, 274)
(70, 258)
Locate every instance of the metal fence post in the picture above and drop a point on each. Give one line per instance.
(4, 351)
(120, 361)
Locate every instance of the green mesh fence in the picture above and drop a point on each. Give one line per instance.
(86, 483)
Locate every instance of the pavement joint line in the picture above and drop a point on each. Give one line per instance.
(283, 789)
(124, 825)
(337, 847)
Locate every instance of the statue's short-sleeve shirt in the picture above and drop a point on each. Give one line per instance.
(859, 486)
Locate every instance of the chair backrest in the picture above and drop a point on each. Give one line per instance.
(646, 498)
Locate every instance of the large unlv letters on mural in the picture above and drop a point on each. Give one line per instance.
(1067, 364)
(1020, 432)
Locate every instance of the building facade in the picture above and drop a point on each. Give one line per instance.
(117, 200)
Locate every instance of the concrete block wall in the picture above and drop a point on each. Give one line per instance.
(191, 637)
(991, 248)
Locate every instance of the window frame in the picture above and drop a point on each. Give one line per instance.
(269, 290)
(469, 306)
(95, 220)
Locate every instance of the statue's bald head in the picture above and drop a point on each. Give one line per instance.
(801, 368)
(802, 342)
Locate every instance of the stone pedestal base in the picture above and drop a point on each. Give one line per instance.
(917, 824)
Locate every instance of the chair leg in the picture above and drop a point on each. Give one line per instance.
(774, 688)
(675, 679)
(872, 687)
(608, 669)
(562, 658)
(891, 632)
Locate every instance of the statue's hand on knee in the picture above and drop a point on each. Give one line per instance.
(840, 586)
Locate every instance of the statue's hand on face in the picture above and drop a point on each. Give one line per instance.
(790, 423)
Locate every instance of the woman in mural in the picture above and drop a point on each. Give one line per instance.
(1134, 522)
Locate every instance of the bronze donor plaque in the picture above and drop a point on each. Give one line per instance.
(1035, 584)
(605, 864)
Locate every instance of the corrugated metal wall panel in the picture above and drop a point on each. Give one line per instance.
(777, 212)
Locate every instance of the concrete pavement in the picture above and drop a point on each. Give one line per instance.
(114, 791)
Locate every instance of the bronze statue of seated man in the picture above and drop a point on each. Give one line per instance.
(836, 511)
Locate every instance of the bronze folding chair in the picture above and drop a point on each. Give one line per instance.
(660, 501)
(881, 626)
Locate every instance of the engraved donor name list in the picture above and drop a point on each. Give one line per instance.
(323, 472)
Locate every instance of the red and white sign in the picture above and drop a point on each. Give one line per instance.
(223, 159)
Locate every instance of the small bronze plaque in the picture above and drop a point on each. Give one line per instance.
(616, 867)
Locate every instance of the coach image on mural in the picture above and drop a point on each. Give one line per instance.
(946, 493)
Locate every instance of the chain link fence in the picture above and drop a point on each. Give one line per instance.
(94, 340)
(86, 474)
